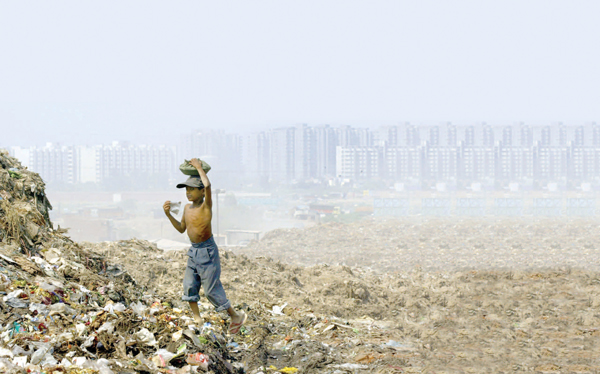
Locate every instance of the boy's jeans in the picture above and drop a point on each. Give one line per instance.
(204, 269)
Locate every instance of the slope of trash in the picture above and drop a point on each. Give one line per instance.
(114, 307)
(24, 207)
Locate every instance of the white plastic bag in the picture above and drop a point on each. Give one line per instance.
(162, 357)
(38, 355)
(138, 308)
(145, 336)
(109, 327)
(101, 365)
(118, 307)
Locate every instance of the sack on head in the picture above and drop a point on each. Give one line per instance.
(187, 168)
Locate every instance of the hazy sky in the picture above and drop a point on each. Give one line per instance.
(150, 70)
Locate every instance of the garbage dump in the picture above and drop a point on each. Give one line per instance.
(115, 307)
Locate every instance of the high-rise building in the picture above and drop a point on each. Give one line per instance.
(282, 154)
(403, 163)
(326, 142)
(55, 163)
(305, 153)
(256, 157)
(359, 162)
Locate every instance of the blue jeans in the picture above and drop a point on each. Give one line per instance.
(204, 269)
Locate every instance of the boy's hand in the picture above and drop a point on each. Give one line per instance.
(167, 207)
(196, 163)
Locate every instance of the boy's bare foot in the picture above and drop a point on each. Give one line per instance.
(196, 313)
(237, 321)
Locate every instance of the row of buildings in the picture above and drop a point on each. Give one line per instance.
(94, 164)
(406, 154)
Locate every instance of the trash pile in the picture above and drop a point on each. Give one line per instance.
(66, 314)
(24, 207)
(341, 319)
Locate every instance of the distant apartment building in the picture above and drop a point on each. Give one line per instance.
(359, 162)
(294, 153)
(403, 163)
(514, 163)
(56, 163)
(124, 159)
(356, 155)
(326, 141)
(282, 146)
(82, 164)
(255, 152)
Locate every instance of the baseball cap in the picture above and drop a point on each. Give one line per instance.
(193, 181)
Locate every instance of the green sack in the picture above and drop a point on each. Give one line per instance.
(187, 168)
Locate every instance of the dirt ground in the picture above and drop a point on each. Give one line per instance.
(430, 296)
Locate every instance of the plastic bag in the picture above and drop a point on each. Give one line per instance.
(175, 206)
(6, 365)
(138, 308)
(162, 357)
(80, 328)
(198, 359)
(48, 360)
(149, 364)
(38, 355)
(187, 168)
(17, 303)
(145, 336)
(47, 287)
(62, 308)
(118, 307)
(13, 295)
(20, 361)
(109, 327)
(39, 308)
(101, 365)
(18, 351)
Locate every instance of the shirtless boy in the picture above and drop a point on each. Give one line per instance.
(203, 266)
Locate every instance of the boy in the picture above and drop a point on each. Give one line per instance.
(203, 266)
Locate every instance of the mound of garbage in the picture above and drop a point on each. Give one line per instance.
(24, 207)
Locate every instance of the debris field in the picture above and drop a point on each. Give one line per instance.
(429, 296)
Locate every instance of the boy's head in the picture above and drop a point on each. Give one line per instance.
(194, 188)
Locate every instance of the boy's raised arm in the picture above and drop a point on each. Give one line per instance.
(207, 194)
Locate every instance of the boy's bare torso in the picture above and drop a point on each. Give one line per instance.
(197, 221)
